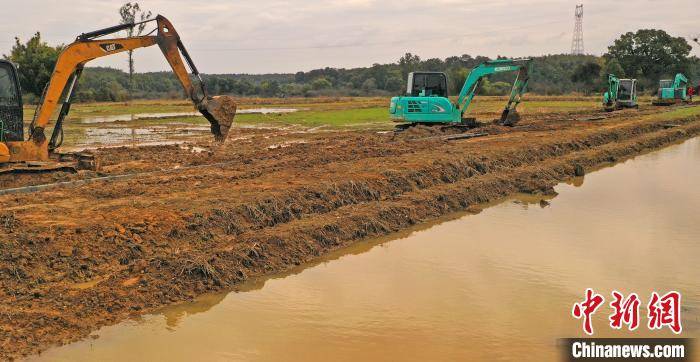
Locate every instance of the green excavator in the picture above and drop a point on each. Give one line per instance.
(622, 93)
(426, 100)
(672, 91)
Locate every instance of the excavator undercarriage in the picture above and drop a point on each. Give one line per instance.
(38, 153)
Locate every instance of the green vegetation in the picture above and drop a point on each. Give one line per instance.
(551, 76)
(678, 113)
(130, 14)
(315, 118)
(646, 55)
(35, 60)
(588, 75)
(651, 54)
(374, 117)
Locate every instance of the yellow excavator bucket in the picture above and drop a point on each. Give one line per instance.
(219, 111)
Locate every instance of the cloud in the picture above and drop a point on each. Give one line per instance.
(290, 35)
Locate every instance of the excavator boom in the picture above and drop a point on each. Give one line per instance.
(610, 96)
(471, 84)
(219, 111)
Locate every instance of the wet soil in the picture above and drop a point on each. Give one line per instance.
(183, 221)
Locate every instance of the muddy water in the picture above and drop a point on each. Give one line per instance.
(146, 135)
(143, 129)
(166, 115)
(498, 285)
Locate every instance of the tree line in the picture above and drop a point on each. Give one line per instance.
(647, 55)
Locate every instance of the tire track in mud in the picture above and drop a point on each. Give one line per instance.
(144, 257)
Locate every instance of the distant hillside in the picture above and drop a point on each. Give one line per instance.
(109, 84)
(552, 75)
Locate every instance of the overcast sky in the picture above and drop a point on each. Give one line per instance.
(265, 36)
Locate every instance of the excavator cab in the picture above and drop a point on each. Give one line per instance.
(11, 123)
(627, 94)
(621, 93)
(427, 84)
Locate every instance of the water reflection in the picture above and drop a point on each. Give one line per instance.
(166, 115)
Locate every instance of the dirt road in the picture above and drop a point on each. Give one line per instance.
(182, 220)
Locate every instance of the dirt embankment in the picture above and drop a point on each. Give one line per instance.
(188, 221)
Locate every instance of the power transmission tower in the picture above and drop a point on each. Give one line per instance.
(577, 41)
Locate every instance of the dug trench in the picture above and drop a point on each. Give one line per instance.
(75, 258)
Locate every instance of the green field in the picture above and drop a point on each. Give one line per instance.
(82, 128)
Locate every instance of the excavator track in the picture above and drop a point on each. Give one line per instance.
(62, 162)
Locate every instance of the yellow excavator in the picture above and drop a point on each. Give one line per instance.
(37, 153)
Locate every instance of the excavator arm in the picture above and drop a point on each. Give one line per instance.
(219, 111)
(680, 81)
(471, 84)
(610, 96)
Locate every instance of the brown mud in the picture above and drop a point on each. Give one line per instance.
(186, 222)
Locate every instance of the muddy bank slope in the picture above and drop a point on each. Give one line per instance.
(78, 257)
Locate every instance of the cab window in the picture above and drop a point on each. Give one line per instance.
(8, 89)
(434, 84)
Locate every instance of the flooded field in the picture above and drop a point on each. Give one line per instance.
(139, 129)
(498, 285)
(166, 115)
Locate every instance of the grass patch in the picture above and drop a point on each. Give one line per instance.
(679, 113)
(332, 118)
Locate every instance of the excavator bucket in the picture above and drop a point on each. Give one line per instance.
(219, 111)
(509, 118)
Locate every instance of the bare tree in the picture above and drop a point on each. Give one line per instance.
(131, 13)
